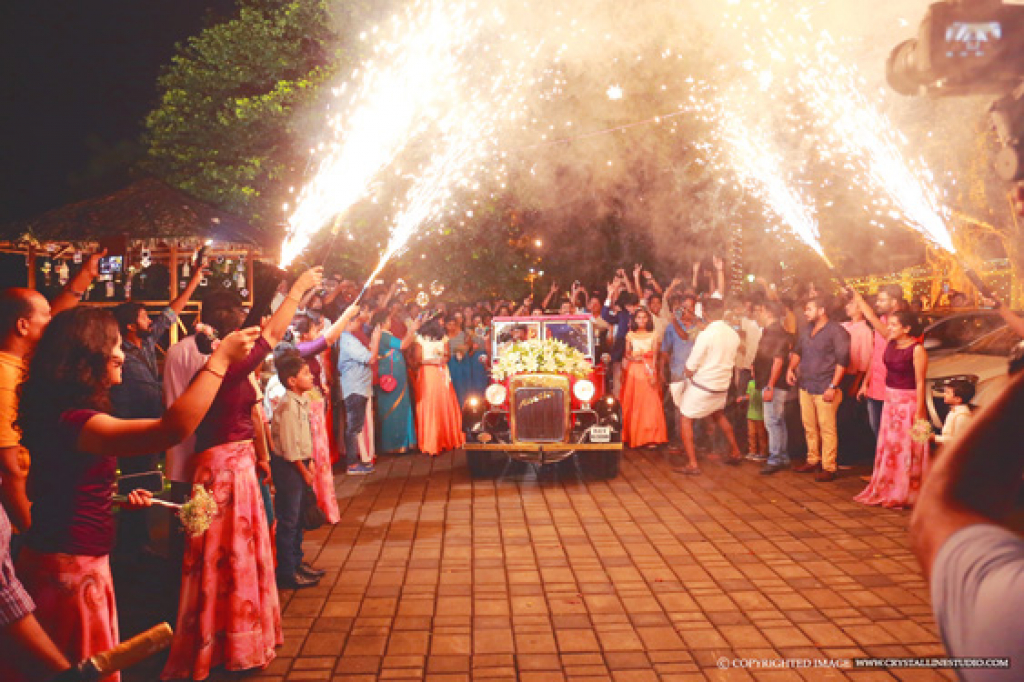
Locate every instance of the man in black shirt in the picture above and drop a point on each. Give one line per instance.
(770, 378)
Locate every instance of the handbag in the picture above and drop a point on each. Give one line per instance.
(387, 382)
(311, 516)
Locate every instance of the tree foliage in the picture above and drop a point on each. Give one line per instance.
(227, 127)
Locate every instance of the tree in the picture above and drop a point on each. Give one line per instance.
(228, 125)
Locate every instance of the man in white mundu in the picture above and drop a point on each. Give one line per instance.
(709, 371)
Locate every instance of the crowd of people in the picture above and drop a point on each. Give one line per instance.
(330, 378)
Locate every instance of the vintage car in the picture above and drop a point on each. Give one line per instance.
(544, 416)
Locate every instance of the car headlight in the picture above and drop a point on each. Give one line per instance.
(583, 390)
(496, 394)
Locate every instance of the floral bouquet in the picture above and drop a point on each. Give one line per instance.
(541, 355)
(197, 514)
(921, 431)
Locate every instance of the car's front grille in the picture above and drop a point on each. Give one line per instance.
(539, 414)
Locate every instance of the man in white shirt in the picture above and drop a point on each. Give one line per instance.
(709, 371)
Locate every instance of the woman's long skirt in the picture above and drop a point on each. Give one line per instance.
(323, 479)
(643, 419)
(900, 463)
(229, 613)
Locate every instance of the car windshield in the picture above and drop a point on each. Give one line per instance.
(957, 331)
(573, 333)
(1000, 343)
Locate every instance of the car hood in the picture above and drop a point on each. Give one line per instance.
(984, 367)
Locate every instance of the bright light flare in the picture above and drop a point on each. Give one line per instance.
(393, 102)
(760, 170)
(867, 135)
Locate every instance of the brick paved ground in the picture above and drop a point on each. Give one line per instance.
(432, 575)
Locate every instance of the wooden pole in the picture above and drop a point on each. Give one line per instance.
(31, 266)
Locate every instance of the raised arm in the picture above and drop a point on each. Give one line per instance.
(1014, 321)
(104, 434)
(551, 294)
(334, 332)
(654, 283)
(282, 317)
(869, 314)
(410, 334)
(179, 303)
(720, 274)
(80, 283)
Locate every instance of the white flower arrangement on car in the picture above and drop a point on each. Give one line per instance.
(536, 355)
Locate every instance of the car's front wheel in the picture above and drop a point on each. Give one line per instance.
(485, 463)
(600, 465)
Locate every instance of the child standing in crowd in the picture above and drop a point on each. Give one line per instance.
(958, 394)
(293, 452)
(356, 353)
(757, 436)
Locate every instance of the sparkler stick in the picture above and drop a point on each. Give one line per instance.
(976, 280)
(834, 270)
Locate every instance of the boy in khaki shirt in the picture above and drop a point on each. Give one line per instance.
(293, 448)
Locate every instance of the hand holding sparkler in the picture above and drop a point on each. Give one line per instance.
(308, 280)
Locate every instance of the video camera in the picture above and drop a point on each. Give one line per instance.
(970, 47)
(963, 47)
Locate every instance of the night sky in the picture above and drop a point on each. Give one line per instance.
(79, 78)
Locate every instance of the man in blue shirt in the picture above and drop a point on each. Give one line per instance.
(680, 334)
(355, 355)
(140, 393)
(822, 355)
(619, 315)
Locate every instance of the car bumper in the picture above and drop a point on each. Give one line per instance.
(542, 447)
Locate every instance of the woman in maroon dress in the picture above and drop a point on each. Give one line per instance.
(900, 461)
(229, 613)
(65, 419)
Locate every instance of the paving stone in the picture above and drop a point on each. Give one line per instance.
(651, 576)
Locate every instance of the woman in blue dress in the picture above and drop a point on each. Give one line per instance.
(467, 364)
(396, 427)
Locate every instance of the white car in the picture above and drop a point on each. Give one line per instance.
(984, 363)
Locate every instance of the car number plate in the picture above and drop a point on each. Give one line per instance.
(600, 434)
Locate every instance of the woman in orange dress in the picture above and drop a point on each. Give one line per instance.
(438, 416)
(642, 415)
